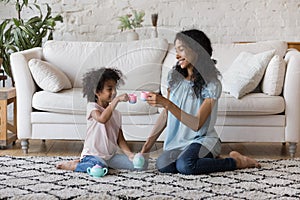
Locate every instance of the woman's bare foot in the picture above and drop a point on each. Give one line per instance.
(68, 165)
(243, 161)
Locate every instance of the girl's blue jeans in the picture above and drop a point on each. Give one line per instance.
(118, 161)
(195, 159)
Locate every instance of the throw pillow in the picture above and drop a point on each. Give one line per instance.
(272, 83)
(245, 73)
(48, 77)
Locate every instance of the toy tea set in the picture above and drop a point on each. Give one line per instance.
(138, 160)
(133, 97)
(98, 171)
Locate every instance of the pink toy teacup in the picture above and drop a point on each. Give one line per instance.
(144, 95)
(132, 98)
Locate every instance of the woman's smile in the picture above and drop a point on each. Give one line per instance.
(181, 62)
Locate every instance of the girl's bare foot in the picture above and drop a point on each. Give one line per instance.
(243, 161)
(68, 165)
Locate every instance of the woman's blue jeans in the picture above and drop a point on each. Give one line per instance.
(195, 159)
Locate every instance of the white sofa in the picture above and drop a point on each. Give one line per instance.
(256, 117)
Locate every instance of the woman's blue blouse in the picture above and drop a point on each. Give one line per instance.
(178, 135)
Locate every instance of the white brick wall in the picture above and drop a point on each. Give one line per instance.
(222, 20)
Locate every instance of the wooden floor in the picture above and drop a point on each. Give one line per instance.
(73, 148)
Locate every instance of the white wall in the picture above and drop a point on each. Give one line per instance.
(223, 20)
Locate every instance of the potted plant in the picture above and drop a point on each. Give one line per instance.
(17, 34)
(131, 22)
(5, 45)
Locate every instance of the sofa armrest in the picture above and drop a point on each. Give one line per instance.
(291, 95)
(25, 87)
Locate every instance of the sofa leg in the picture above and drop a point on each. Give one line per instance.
(25, 144)
(292, 149)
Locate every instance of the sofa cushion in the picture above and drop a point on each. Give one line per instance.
(72, 102)
(245, 73)
(169, 61)
(141, 58)
(251, 104)
(272, 82)
(64, 118)
(69, 101)
(47, 76)
(225, 54)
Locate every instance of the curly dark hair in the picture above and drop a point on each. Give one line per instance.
(93, 81)
(204, 70)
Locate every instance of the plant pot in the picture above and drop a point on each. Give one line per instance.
(132, 35)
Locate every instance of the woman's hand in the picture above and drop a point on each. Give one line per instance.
(156, 100)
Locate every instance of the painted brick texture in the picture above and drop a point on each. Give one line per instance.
(223, 21)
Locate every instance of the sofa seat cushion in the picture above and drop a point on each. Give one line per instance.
(63, 118)
(251, 104)
(72, 102)
(68, 101)
(252, 120)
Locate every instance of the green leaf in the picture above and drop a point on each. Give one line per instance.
(58, 18)
(18, 6)
(50, 22)
(7, 35)
(16, 22)
(48, 11)
(20, 38)
(26, 30)
(50, 37)
(11, 47)
(16, 40)
(33, 20)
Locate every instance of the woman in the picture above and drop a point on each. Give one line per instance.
(192, 145)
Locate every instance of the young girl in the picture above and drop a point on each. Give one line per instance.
(104, 134)
(192, 145)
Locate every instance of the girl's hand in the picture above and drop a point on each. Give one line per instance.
(123, 97)
(156, 100)
(131, 156)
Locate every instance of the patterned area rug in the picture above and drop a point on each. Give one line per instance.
(37, 178)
